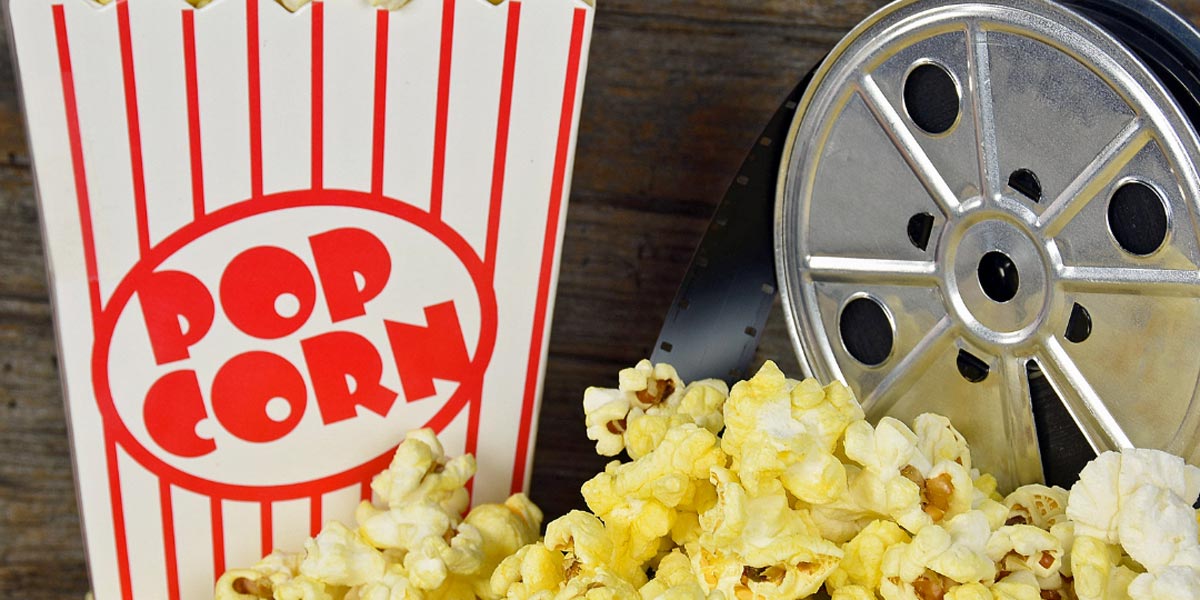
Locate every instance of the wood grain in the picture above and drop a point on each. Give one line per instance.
(677, 91)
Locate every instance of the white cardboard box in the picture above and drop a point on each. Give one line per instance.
(279, 241)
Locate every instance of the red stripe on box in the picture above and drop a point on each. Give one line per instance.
(548, 248)
(502, 124)
(118, 508)
(193, 109)
(80, 172)
(314, 515)
(365, 491)
(134, 125)
(474, 408)
(318, 95)
(266, 519)
(443, 108)
(169, 554)
(89, 257)
(218, 536)
(255, 82)
(381, 63)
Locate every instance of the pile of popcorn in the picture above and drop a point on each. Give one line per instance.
(776, 489)
(417, 545)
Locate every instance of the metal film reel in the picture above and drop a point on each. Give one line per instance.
(983, 201)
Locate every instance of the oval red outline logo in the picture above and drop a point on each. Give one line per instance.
(106, 323)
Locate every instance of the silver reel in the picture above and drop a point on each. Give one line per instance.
(991, 210)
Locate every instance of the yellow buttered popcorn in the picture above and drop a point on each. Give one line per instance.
(938, 440)
(899, 481)
(1026, 548)
(969, 591)
(260, 581)
(607, 417)
(534, 571)
(641, 501)
(436, 560)
(420, 472)
(700, 404)
(340, 557)
(1021, 585)
(1036, 505)
(760, 546)
(862, 561)
(825, 412)
(856, 592)
(780, 432)
(652, 385)
(600, 585)
(774, 489)
(650, 400)
(505, 528)
(414, 545)
(938, 558)
(394, 585)
(404, 527)
(1099, 574)
(703, 403)
(583, 541)
(674, 580)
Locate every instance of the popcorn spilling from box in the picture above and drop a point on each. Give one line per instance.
(774, 489)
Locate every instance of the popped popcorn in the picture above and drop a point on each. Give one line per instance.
(774, 489)
(650, 399)
(1025, 547)
(415, 545)
(862, 561)
(340, 557)
(1036, 505)
(420, 472)
(673, 580)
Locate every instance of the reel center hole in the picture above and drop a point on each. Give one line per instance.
(998, 276)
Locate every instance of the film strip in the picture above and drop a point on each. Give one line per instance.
(717, 318)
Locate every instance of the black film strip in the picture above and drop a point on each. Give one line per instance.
(716, 320)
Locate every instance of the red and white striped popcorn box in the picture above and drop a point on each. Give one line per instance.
(278, 241)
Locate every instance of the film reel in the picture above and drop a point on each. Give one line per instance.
(991, 210)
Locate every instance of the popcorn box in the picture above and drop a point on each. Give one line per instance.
(277, 241)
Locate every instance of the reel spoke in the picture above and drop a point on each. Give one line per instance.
(1131, 281)
(912, 366)
(1026, 458)
(978, 62)
(1095, 177)
(1088, 410)
(873, 271)
(893, 125)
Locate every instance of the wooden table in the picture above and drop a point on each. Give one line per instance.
(677, 92)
